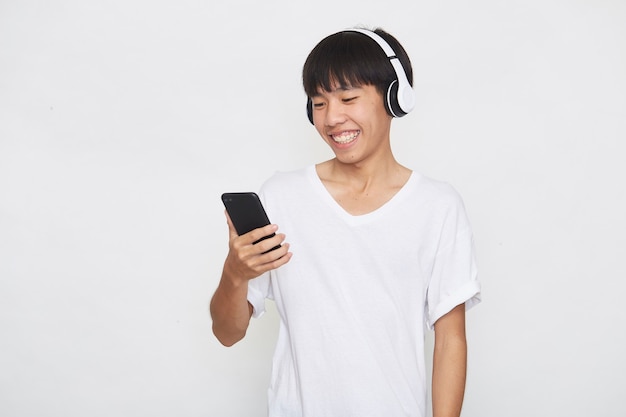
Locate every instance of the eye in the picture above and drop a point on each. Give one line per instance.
(318, 105)
(349, 99)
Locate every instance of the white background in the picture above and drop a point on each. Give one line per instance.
(122, 122)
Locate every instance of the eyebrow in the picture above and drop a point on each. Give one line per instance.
(339, 88)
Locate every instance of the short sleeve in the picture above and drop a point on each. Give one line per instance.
(454, 278)
(258, 290)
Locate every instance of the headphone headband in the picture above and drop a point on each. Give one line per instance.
(379, 40)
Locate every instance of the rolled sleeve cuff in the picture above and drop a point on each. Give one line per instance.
(468, 294)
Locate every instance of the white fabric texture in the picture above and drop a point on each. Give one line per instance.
(358, 293)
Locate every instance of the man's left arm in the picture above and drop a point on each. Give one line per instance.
(449, 363)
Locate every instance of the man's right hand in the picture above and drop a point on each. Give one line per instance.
(247, 260)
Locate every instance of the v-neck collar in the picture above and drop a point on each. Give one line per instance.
(352, 219)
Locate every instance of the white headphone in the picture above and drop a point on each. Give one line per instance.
(400, 97)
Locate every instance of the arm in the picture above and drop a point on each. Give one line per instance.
(449, 363)
(229, 307)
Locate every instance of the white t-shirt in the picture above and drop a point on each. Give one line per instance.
(358, 293)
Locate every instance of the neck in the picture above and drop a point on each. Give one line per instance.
(362, 189)
(363, 177)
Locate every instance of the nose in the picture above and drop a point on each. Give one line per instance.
(334, 113)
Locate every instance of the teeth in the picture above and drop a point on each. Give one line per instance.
(346, 137)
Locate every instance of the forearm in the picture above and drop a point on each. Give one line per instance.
(230, 310)
(449, 371)
(449, 364)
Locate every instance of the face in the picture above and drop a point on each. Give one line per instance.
(353, 122)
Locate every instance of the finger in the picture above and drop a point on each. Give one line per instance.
(258, 234)
(270, 244)
(282, 256)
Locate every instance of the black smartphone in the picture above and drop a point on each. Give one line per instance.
(247, 213)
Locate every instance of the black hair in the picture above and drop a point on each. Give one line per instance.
(351, 58)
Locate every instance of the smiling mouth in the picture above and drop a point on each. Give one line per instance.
(345, 137)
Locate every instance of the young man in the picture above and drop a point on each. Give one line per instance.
(377, 252)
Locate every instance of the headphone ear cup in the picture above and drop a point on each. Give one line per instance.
(405, 97)
(391, 101)
(309, 109)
